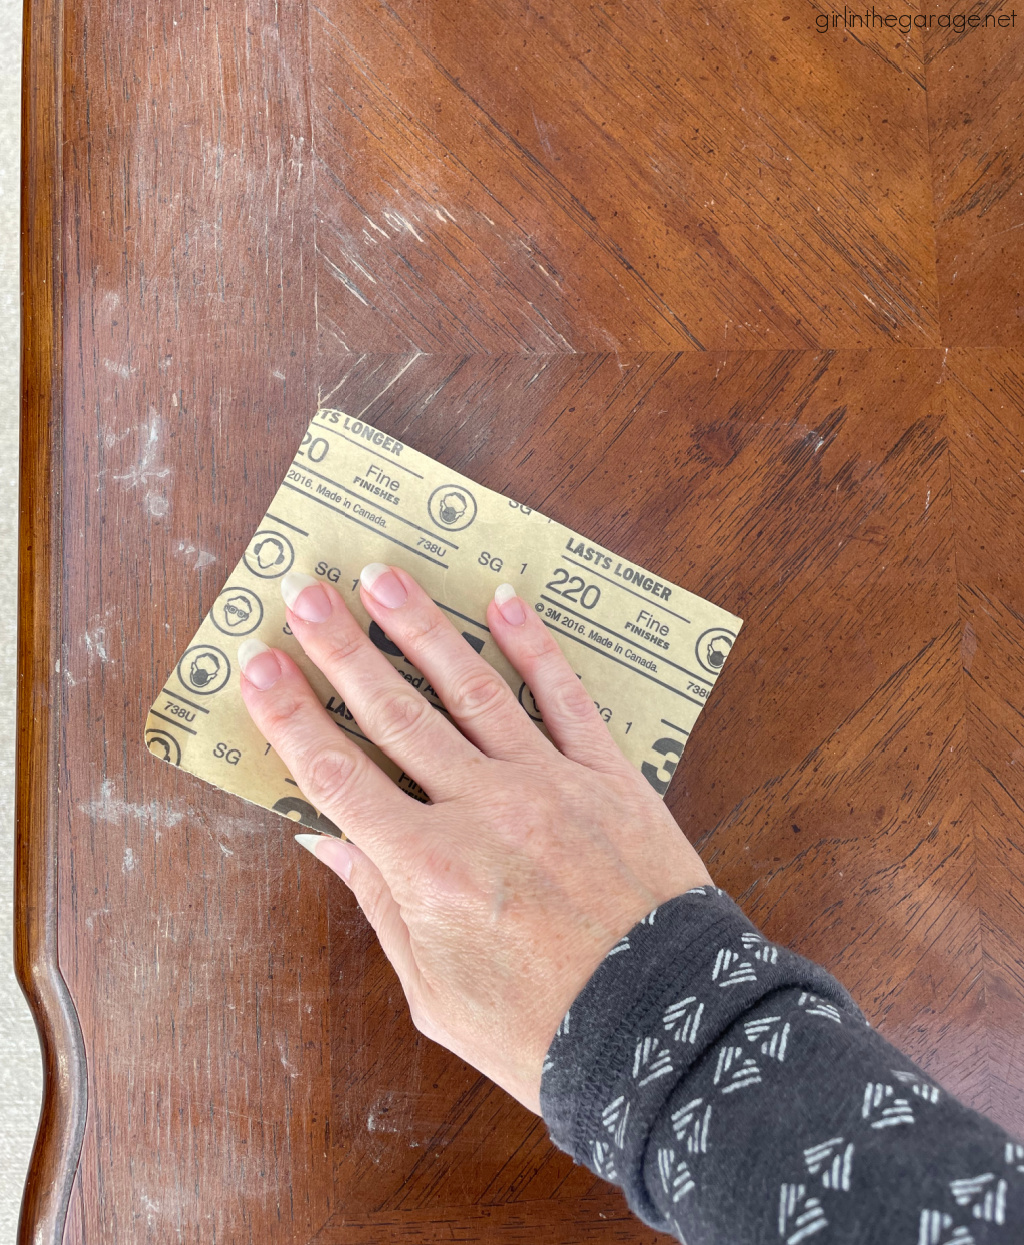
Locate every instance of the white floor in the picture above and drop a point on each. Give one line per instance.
(20, 1065)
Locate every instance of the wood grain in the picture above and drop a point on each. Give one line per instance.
(58, 1140)
(616, 176)
(735, 297)
(975, 97)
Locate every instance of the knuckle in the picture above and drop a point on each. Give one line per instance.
(572, 700)
(397, 716)
(425, 628)
(341, 648)
(477, 694)
(541, 646)
(278, 715)
(329, 776)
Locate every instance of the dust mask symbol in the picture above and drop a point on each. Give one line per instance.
(452, 507)
(203, 670)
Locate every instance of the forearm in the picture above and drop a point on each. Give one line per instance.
(737, 1094)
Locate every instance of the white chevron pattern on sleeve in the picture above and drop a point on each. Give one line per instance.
(762, 949)
(682, 1020)
(757, 1028)
(690, 1124)
(819, 1197)
(676, 1178)
(992, 1206)
(651, 1058)
(918, 1085)
(877, 1094)
(804, 1215)
(603, 1159)
(615, 1117)
(775, 1046)
(933, 1226)
(818, 1007)
(832, 1161)
(733, 970)
(745, 1072)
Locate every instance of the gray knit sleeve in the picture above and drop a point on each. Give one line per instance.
(737, 1094)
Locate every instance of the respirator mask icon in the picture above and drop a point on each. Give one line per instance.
(204, 670)
(452, 507)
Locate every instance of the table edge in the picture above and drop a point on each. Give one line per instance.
(58, 1143)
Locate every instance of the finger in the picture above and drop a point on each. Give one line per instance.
(566, 706)
(374, 897)
(394, 715)
(331, 771)
(476, 696)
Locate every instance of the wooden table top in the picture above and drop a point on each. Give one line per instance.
(736, 297)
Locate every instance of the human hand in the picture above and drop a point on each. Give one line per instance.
(496, 902)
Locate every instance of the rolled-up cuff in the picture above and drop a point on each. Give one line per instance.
(663, 996)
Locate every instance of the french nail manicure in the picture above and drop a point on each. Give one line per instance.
(304, 595)
(339, 856)
(383, 585)
(510, 605)
(309, 842)
(258, 663)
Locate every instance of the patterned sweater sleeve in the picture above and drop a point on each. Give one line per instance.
(737, 1094)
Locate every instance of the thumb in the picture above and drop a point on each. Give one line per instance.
(337, 854)
(374, 896)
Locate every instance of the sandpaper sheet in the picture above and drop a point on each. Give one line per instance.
(647, 650)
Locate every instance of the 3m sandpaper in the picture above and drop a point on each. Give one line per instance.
(648, 651)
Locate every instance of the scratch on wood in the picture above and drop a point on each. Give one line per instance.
(402, 371)
(349, 285)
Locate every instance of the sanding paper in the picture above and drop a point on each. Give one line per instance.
(648, 651)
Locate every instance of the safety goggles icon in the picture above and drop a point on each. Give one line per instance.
(237, 610)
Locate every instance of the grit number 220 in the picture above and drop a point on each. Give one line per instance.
(313, 448)
(573, 588)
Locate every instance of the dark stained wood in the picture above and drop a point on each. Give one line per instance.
(187, 374)
(39, 712)
(616, 176)
(677, 275)
(975, 96)
(985, 396)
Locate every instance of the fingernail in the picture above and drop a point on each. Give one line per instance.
(306, 597)
(510, 605)
(383, 585)
(309, 842)
(339, 857)
(259, 665)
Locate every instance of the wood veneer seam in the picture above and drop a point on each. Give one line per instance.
(58, 1143)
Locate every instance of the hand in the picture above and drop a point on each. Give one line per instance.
(496, 902)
